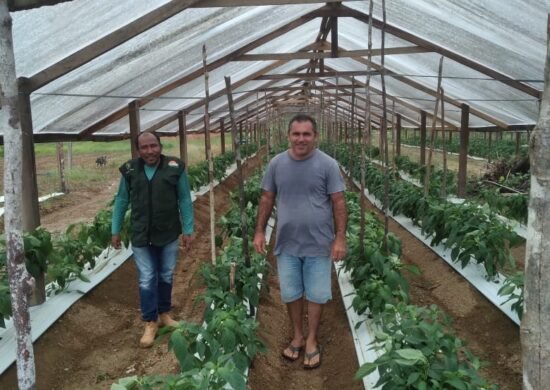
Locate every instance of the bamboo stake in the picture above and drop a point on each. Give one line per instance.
(434, 133)
(366, 139)
(393, 132)
(240, 178)
(232, 273)
(209, 158)
(384, 128)
(20, 281)
(443, 146)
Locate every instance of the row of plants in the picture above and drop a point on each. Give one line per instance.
(217, 354)
(510, 205)
(472, 233)
(198, 173)
(63, 258)
(416, 346)
(480, 147)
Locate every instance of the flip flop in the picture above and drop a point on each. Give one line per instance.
(294, 350)
(310, 356)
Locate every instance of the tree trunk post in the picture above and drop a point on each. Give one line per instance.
(535, 339)
(20, 281)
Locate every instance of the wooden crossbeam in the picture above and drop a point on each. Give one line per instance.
(341, 54)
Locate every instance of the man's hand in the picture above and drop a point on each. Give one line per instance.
(186, 240)
(338, 249)
(259, 243)
(115, 241)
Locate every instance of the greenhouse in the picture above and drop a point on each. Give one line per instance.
(435, 112)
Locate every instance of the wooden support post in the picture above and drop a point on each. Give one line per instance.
(133, 116)
(518, 143)
(398, 135)
(463, 151)
(239, 140)
(182, 131)
(29, 211)
(490, 146)
(61, 167)
(422, 137)
(222, 135)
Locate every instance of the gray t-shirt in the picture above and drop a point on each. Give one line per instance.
(304, 209)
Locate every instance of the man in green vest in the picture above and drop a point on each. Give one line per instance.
(157, 189)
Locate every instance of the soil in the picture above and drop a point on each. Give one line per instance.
(96, 341)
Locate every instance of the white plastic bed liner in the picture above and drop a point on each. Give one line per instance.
(40, 199)
(473, 272)
(44, 315)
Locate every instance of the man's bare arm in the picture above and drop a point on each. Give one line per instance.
(338, 249)
(264, 211)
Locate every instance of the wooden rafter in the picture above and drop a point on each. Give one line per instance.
(108, 42)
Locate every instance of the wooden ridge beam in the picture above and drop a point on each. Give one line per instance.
(321, 54)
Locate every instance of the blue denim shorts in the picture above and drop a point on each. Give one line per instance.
(311, 275)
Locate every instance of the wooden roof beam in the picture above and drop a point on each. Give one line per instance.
(322, 54)
(108, 42)
(421, 42)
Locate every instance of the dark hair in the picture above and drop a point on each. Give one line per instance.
(301, 117)
(136, 142)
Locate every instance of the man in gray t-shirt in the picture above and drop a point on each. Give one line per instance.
(311, 222)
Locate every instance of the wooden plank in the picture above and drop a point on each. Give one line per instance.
(320, 54)
(238, 3)
(108, 42)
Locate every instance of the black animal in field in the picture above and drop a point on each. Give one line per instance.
(101, 161)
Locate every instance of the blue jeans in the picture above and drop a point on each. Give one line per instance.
(309, 274)
(155, 266)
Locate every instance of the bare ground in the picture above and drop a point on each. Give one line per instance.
(96, 341)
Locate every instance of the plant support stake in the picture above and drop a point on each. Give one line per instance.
(242, 206)
(209, 158)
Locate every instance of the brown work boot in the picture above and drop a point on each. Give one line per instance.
(149, 335)
(166, 320)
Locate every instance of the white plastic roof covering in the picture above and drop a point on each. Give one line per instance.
(508, 36)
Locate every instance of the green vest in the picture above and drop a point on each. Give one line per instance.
(154, 203)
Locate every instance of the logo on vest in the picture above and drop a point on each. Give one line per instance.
(172, 163)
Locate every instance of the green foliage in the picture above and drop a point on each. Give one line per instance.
(216, 354)
(505, 148)
(513, 289)
(418, 350)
